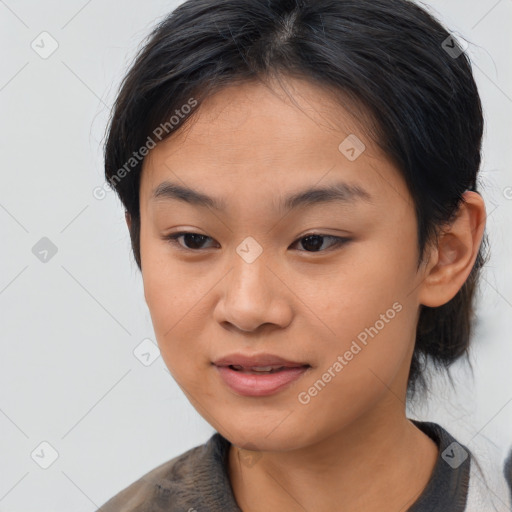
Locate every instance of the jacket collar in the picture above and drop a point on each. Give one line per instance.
(447, 488)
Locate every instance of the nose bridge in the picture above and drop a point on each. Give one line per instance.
(252, 294)
(250, 275)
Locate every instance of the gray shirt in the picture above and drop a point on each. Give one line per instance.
(198, 480)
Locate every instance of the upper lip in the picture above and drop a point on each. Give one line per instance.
(256, 360)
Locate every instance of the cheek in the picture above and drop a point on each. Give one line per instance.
(365, 363)
(371, 318)
(169, 300)
(165, 289)
(377, 275)
(179, 299)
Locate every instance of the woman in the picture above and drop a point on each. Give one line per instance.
(300, 186)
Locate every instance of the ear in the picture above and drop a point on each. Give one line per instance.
(128, 218)
(455, 254)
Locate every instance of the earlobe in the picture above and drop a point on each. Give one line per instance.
(457, 249)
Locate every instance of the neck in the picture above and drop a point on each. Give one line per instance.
(382, 461)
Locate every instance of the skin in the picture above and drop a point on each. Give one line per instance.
(351, 447)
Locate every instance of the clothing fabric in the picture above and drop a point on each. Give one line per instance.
(198, 481)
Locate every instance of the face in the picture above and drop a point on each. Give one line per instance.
(327, 280)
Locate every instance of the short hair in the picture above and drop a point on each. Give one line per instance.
(391, 58)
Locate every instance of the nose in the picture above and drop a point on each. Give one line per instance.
(253, 294)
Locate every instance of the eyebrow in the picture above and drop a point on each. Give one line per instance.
(336, 192)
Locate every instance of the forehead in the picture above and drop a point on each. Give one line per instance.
(249, 138)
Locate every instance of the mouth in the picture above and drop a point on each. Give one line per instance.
(262, 370)
(257, 362)
(260, 375)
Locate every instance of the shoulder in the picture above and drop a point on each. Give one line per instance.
(175, 484)
(447, 488)
(507, 470)
(464, 480)
(490, 488)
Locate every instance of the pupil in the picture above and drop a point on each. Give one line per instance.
(313, 242)
(317, 242)
(196, 239)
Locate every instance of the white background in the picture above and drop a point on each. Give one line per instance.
(68, 327)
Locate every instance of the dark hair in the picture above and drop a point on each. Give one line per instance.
(390, 57)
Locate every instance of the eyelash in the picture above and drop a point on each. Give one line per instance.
(338, 241)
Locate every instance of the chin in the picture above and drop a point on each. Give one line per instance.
(261, 437)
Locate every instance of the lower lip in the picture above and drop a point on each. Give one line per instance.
(249, 384)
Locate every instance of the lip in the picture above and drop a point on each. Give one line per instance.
(257, 360)
(250, 384)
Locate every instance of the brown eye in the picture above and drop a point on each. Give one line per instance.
(192, 241)
(314, 242)
(310, 243)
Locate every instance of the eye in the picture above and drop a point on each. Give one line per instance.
(313, 242)
(194, 239)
